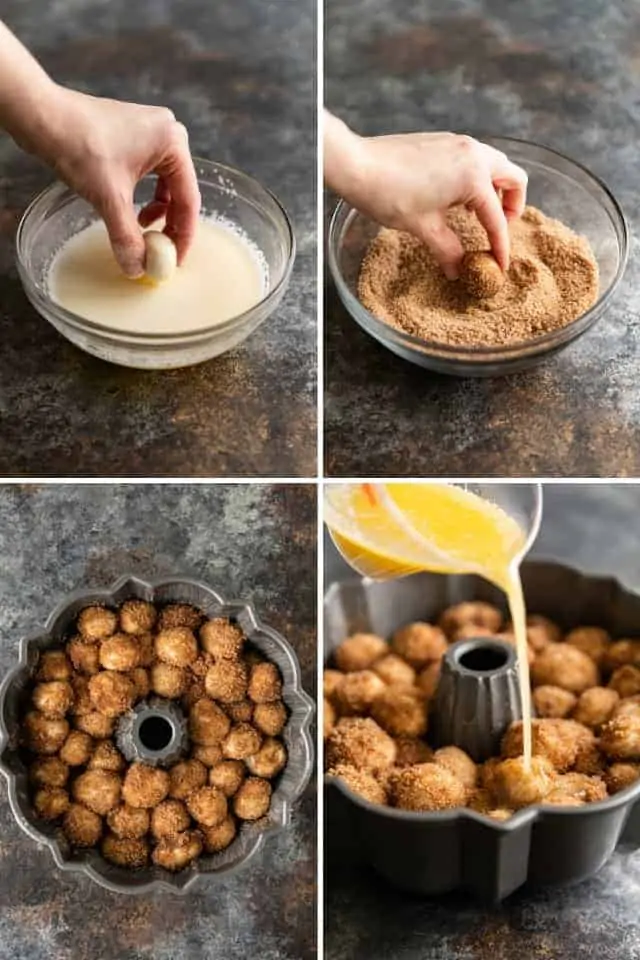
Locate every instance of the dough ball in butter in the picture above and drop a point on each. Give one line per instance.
(161, 256)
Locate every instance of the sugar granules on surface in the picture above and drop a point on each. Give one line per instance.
(552, 280)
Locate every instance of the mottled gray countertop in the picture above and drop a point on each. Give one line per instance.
(241, 77)
(598, 529)
(250, 541)
(565, 75)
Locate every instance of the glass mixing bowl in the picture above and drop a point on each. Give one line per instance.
(562, 189)
(57, 213)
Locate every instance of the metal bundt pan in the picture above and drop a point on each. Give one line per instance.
(431, 853)
(296, 735)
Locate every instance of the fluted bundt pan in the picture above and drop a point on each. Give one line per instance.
(251, 837)
(430, 853)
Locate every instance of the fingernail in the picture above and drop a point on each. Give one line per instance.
(132, 267)
(450, 273)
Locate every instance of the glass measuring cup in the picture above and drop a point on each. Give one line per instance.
(381, 542)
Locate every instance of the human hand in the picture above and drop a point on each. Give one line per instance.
(102, 148)
(408, 182)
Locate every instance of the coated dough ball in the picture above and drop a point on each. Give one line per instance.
(53, 665)
(99, 790)
(137, 616)
(226, 681)
(106, 757)
(207, 805)
(517, 787)
(95, 724)
(49, 772)
(84, 656)
(480, 274)
(401, 712)
(169, 818)
(209, 755)
(51, 802)
(253, 799)
(119, 652)
(112, 694)
(222, 639)
(228, 775)
(96, 623)
(44, 735)
(54, 698)
(177, 851)
(359, 651)
(140, 680)
(77, 748)
(426, 786)
(265, 684)
(270, 718)
(219, 837)
(145, 786)
(186, 776)
(208, 723)
(564, 665)
(269, 760)
(419, 643)
(168, 681)
(177, 646)
(161, 256)
(133, 854)
(179, 615)
(357, 692)
(127, 822)
(360, 743)
(242, 741)
(81, 826)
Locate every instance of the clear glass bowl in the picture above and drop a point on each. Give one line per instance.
(561, 188)
(57, 213)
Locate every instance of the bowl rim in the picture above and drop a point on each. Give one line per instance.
(42, 299)
(520, 817)
(345, 212)
(303, 730)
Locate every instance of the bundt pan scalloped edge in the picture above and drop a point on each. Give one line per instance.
(296, 735)
(433, 853)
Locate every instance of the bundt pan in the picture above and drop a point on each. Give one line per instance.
(431, 853)
(251, 837)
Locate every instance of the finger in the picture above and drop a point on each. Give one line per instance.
(125, 234)
(512, 181)
(444, 244)
(156, 209)
(177, 171)
(489, 212)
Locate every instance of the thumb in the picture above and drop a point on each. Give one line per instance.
(444, 244)
(125, 233)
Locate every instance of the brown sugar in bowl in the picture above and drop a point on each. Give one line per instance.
(565, 191)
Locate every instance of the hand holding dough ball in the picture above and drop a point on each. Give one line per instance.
(161, 256)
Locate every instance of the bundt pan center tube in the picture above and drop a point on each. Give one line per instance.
(155, 733)
(442, 851)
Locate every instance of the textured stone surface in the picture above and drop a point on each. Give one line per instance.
(241, 77)
(249, 541)
(597, 529)
(563, 75)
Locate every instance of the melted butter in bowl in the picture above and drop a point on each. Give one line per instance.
(223, 276)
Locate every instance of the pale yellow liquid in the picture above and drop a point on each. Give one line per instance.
(221, 277)
(393, 529)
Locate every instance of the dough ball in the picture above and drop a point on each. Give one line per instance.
(481, 275)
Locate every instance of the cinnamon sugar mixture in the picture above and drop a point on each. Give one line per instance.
(552, 279)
